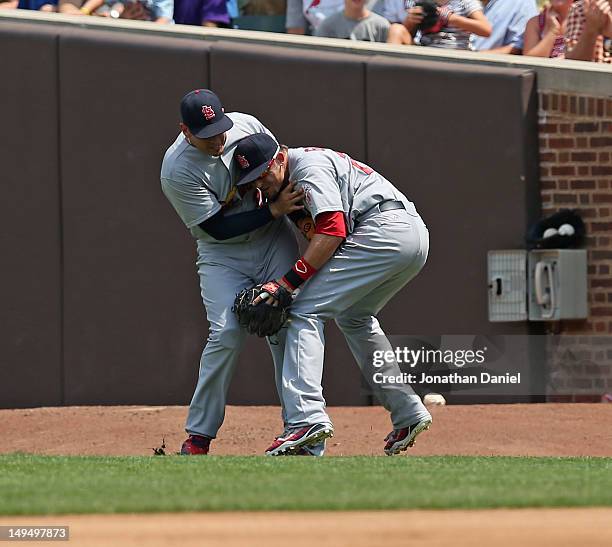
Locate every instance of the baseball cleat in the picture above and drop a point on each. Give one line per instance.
(293, 440)
(401, 439)
(196, 445)
(316, 450)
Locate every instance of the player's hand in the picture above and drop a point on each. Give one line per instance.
(268, 297)
(288, 201)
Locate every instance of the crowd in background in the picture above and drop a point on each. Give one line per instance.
(572, 29)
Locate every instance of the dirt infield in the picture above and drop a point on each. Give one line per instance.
(500, 430)
(501, 528)
(517, 430)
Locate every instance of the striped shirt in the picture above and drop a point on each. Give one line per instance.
(446, 37)
(576, 20)
(558, 50)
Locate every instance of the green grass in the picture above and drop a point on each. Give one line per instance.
(55, 485)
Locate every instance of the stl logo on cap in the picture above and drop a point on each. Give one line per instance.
(243, 162)
(208, 112)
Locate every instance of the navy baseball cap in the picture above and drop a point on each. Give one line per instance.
(253, 156)
(202, 113)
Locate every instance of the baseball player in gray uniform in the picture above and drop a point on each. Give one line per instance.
(369, 241)
(241, 240)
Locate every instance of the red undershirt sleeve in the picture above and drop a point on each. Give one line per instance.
(331, 223)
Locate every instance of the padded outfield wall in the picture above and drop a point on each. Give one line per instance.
(99, 288)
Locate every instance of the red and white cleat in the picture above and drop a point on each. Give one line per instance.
(292, 440)
(196, 445)
(401, 439)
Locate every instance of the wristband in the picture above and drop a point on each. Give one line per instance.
(85, 11)
(301, 271)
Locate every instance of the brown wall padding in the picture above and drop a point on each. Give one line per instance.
(453, 139)
(30, 297)
(458, 140)
(134, 325)
(303, 97)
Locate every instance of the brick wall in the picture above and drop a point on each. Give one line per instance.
(576, 172)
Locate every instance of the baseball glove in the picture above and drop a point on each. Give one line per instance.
(430, 14)
(265, 318)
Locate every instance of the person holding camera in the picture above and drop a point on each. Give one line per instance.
(444, 24)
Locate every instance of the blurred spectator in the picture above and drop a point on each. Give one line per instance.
(509, 19)
(233, 10)
(38, 5)
(262, 7)
(355, 22)
(163, 10)
(458, 19)
(589, 31)
(78, 7)
(35, 5)
(545, 33)
(296, 22)
(305, 16)
(206, 13)
(159, 11)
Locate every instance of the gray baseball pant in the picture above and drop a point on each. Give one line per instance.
(226, 269)
(384, 252)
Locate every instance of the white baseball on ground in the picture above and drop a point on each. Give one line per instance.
(566, 230)
(434, 399)
(549, 232)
